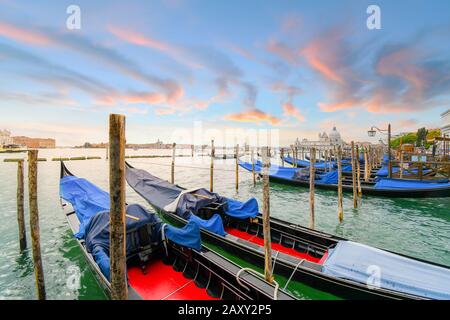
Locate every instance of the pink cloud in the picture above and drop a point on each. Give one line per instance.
(146, 41)
(253, 115)
(24, 35)
(337, 106)
(322, 54)
(283, 51)
(291, 111)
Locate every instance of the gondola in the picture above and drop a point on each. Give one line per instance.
(163, 262)
(298, 253)
(383, 187)
(379, 171)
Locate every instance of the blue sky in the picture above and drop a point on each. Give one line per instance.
(299, 67)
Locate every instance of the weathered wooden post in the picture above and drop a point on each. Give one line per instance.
(211, 169)
(266, 216)
(295, 156)
(355, 200)
(294, 160)
(34, 224)
(340, 205)
(20, 207)
(358, 172)
(389, 152)
(192, 150)
(172, 167)
(366, 164)
(117, 253)
(282, 157)
(420, 171)
(311, 187)
(253, 168)
(401, 163)
(237, 167)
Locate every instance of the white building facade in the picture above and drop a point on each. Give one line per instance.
(445, 123)
(333, 138)
(5, 138)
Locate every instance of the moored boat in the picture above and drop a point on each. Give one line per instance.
(163, 262)
(385, 187)
(317, 259)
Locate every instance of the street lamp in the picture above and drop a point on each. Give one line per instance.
(372, 133)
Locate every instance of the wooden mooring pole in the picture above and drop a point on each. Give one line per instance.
(340, 205)
(389, 152)
(172, 167)
(266, 217)
(355, 195)
(237, 167)
(311, 187)
(211, 169)
(366, 164)
(282, 157)
(358, 172)
(117, 253)
(253, 168)
(20, 207)
(34, 224)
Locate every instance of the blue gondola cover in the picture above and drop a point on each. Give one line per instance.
(214, 224)
(241, 210)
(386, 183)
(86, 199)
(189, 236)
(379, 268)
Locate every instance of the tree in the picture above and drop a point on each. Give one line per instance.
(421, 137)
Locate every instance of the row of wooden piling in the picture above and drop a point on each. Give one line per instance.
(116, 156)
(34, 218)
(96, 158)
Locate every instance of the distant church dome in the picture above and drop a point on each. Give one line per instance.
(334, 136)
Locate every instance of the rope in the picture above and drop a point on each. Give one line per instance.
(274, 262)
(292, 274)
(249, 270)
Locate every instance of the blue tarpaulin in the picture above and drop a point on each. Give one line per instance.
(241, 210)
(317, 164)
(379, 268)
(91, 205)
(214, 224)
(189, 236)
(86, 199)
(347, 168)
(386, 183)
(329, 177)
(97, 233)
(383, 171)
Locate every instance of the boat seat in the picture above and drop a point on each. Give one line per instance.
(280, 255)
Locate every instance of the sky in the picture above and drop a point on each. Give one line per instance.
(232, 68)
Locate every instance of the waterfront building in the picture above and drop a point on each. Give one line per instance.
(34, 142)
(445, 123)
(325, 141)
(5, 138)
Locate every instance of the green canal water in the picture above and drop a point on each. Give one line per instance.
(416, 227)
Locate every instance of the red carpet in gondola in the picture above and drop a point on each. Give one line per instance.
(162, 282)
(275, 246)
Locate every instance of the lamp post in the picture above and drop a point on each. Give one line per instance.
(373, 130)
